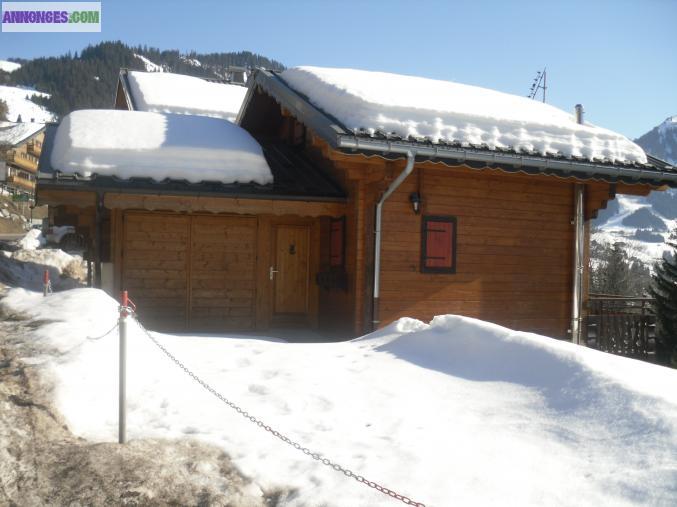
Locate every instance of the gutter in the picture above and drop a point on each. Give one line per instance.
(411, 157)
(462, 155)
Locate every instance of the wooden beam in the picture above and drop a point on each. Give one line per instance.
(223, 205)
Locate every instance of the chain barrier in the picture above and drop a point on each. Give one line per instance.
(105, 334)
(315, 455)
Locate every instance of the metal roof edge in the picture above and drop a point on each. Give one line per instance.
(543, 164)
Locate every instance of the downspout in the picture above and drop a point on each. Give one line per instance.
(411, 157)
(579, 250)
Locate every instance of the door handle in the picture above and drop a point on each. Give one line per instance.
(272, 273)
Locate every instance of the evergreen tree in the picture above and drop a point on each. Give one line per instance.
(4, 110)
(664, 291)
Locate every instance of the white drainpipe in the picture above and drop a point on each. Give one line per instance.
(411, 157)
(579, 257)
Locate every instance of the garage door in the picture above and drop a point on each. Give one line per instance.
(191, 272)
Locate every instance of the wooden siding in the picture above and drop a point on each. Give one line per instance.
(192, 272)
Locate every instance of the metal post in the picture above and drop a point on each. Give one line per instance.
(579, 261)
(122, 330)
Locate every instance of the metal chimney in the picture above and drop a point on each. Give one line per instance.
(579, 114)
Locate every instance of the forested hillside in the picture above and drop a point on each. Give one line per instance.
(88, 79)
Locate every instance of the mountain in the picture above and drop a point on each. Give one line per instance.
(644, 223)
(88, 80)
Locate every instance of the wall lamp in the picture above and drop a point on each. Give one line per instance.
(415, 199)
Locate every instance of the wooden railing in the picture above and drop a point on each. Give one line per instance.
(620, 325)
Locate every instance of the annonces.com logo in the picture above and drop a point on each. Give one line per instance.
(51, 16)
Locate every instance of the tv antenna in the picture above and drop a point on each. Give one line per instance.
(538, 84)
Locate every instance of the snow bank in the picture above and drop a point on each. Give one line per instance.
(176, 93)
(454, 112)
(455, 412)
(32, 240)
(129, 144)
(19, 104)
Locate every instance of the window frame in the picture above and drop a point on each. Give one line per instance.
(451, 219)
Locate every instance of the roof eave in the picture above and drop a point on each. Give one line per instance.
(460, 155)
(123, 82)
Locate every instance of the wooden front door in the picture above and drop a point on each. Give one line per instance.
(290, 274)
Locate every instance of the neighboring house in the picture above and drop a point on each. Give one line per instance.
(20, 149)
(448, 199)
(164, 92)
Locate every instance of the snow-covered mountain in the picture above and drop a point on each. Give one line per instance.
(9, 66)
(19, 104)
(644, 223)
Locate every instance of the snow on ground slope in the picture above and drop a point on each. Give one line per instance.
(457, 412)
(614, 230)
(9, 66)
(19, 103)
(150, 66)
(453, 112)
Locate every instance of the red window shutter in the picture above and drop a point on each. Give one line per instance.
(336, 242)
(438, 253)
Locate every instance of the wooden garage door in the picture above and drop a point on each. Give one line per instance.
(154, 268)
(191, 272)
(222, 273)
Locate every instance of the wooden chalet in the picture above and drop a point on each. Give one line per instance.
(20, 149)
(357, 230)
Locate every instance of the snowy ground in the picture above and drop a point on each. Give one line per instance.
(19, 103)
(455, 412)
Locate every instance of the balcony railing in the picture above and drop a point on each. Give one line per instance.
(22, 160)
(34, 148)
(18, 181)
(620, 325)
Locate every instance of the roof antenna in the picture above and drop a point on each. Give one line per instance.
(539, 84)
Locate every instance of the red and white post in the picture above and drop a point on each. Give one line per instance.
(45, 283)
(122, 331)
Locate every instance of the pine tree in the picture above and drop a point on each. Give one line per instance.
(664, 292)
(4, 110)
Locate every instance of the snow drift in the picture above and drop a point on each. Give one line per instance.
(455, 412)
(453, 112)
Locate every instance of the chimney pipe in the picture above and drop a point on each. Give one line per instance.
(579, 114)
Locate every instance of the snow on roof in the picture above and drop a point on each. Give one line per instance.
(9, 66)
(129, 144)
(164, 92)
(19, 103)
(453, 112)
(14, 133)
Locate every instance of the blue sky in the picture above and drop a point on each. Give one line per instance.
(617, 57)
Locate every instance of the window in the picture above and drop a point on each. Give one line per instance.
(337, 242)
(438, 244)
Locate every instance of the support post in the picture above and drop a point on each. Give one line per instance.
(98, 233)
(579, 261)
(122, 405)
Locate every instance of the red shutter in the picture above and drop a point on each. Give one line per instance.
(336, 243)
(438, 253)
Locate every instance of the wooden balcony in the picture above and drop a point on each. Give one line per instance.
(22, 160)
(34, 147)
(22, 183)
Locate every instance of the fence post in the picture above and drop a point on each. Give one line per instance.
(45, 283)
(122, 331)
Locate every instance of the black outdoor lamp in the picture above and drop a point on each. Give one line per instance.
(415, 199)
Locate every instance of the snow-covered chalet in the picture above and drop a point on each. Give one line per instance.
(338, 199)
